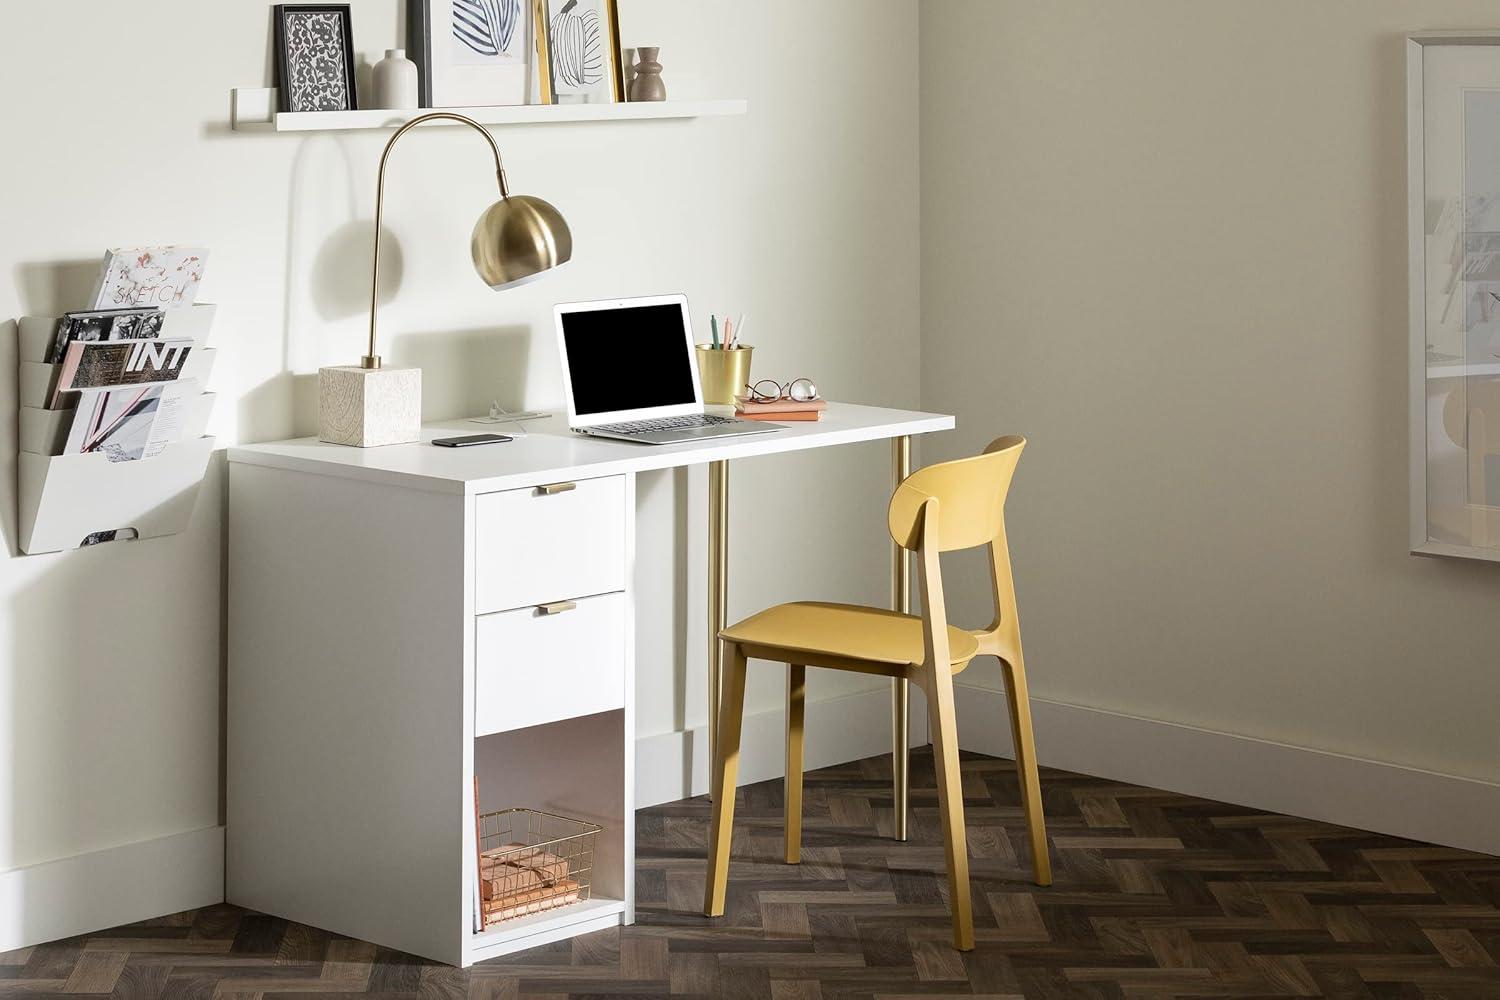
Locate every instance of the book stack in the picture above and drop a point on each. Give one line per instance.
(781, 410)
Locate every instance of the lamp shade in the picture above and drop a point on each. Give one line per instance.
(518, 238)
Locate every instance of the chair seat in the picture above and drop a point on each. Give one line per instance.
(848, 631)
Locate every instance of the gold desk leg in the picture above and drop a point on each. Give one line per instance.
(900, 692)
(718, 595)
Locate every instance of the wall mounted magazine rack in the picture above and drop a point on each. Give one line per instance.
(65, 501)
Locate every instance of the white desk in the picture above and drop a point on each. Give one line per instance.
(385, 633)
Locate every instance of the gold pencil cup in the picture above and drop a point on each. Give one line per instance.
(723, 374)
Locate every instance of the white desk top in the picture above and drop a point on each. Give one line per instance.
(551, 453)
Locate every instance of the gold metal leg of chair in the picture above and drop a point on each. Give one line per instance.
(900, 687)
(1031, 785)
(796, 699)
(942, 716)
(726, 771)
(718, 595)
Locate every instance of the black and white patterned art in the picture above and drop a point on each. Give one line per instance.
(577, 49)
(316, 75)
(487, 29)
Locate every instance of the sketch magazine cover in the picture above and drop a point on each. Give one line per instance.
(164, 277)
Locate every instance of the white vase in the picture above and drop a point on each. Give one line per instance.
(395, 80)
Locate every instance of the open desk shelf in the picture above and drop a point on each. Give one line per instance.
(549, 925)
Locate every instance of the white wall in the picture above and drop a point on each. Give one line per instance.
(110, 685)
(1166, 241)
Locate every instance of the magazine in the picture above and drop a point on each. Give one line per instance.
(129, 423)
(164, 277)
(105, 324)
(120, 363)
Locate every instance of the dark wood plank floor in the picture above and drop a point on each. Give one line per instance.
(1157, 895)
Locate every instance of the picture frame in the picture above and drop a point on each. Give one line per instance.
(314, 45)
(479, 53)
(1453, 282)
(584, 57)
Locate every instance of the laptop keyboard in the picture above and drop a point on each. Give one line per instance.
(688, 422)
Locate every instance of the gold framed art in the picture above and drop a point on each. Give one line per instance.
(583, 62)
(543, 52)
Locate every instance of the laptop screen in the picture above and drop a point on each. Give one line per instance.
(628, 358)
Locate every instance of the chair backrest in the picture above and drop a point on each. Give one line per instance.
(964, 501)
(1474, 398)
(970, 495)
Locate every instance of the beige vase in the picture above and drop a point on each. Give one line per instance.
(647, 85)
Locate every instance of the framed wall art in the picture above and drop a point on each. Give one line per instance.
(314, 57)
(1453, 170)
(584, 49)
(479, 53)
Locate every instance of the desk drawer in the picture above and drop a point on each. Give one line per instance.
(537, 665)
(534, 546)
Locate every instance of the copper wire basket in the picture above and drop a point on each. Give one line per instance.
(530, 861)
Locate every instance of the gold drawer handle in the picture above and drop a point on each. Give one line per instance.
(556, 607)
(555, 488)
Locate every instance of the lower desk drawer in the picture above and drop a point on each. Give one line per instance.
(543, 664)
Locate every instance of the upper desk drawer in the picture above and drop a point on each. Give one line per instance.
(551, 543)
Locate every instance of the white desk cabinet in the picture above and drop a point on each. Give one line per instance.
(367, 690)
(404, 619)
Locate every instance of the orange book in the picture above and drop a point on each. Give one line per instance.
(780, 417)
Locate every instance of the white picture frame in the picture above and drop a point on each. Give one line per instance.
(478, 53)
(1453, 227)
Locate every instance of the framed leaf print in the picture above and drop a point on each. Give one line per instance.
(314, 57)
(477, 53)
(584, 45)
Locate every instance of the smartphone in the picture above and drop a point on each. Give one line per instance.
(471, 440)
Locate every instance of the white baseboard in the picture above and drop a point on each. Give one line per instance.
(674, 766)
(1276, 777)
(119, 885)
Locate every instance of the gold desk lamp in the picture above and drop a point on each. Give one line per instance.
(518, 238)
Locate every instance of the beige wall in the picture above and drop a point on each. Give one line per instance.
(1165, 240)
(109, 668)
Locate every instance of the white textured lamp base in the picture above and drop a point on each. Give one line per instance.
(369, 407)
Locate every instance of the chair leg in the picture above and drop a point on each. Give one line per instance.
(796, 694)
(1031, 785)
(726, 770)
(944, 721)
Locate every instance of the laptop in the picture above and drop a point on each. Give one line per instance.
(630, 373)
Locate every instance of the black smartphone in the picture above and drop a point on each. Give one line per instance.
(471, 440)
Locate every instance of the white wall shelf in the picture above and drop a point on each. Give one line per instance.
(252, 111)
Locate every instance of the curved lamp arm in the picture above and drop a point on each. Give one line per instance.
(372, 360)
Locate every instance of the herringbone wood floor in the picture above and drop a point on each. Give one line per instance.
(1157, 895)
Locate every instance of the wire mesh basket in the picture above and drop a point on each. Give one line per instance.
(530, 861)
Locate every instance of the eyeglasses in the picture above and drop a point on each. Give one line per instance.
(802, 390)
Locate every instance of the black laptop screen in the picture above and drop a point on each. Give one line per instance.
(628, 358)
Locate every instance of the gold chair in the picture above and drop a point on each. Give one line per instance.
(953, 505)
(1471, 416)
